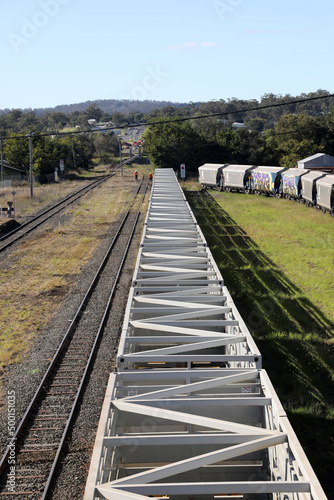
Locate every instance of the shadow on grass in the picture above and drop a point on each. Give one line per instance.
(293, 335)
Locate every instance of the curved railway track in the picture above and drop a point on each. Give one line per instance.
(41, 433)
(8, 239)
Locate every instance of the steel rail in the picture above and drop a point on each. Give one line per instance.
(97, 338)
(62, 205)
(62, 344)
(75, 196)
(7, 235)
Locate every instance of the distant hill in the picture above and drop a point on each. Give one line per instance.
(107, 105)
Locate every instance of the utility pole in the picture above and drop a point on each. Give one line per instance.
(73, 152)
(31, 165)
(120, 154)
(2, 173)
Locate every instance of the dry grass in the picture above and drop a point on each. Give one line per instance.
(43, 195)
(43, 270)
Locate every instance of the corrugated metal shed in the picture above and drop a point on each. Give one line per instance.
(11, 172)
(319, 160)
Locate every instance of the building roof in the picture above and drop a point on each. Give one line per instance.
(8, 167)
(313, 157)
(317, 160)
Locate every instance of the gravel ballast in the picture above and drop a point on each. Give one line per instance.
(24, 378)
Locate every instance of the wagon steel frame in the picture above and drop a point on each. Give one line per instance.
(190, 413)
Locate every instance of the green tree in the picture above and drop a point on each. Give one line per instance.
(93, 112)
(106, 144)
(295, 137)
(119, 119)
(171, 144)
(256, 124)
(239, 146)
(77, 152)
(53, 121)
(16, 152)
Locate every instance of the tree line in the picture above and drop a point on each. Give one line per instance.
(126, 112)
(77, 151)
(272, 133)
(292, 138)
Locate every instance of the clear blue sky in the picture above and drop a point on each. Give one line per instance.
(68, 51)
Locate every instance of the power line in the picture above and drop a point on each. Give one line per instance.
(245, 110)
(178, 120)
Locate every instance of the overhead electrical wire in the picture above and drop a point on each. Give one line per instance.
(175, 120)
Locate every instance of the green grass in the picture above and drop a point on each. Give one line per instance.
(300, 243)
(276, 258)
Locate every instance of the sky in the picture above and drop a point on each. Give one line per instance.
(57, 52)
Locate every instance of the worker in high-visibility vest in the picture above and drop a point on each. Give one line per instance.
(136, 175)
(150, 176)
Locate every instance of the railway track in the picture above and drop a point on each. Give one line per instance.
(40, 436)
(8, 239)
(190, 413)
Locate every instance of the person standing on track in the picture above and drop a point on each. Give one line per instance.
(150, 176)
(136, 175)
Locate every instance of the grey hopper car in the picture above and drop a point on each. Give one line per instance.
(291, 185)
(309, 190)
(237, 178)
(267, 180)
(325, 193)
(315, 188)
(210, 175)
